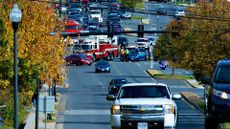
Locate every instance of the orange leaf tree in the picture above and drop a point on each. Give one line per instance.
(40, 55)
(201, 42)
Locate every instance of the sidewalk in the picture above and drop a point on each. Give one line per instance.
(50, 124)
(30, 122)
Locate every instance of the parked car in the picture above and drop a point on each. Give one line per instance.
(102, 66)
(217, 95)
(126, 15)
(161, 11)
(78, 59)
(144, 105)
(115, 84)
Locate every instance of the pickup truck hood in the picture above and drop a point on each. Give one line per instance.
(143, 101)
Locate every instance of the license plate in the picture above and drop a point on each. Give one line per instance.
(102, 69)
(142, 125)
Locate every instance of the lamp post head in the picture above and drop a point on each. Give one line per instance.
(15, 14)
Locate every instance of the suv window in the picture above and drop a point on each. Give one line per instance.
(143, 92)
(222, 74)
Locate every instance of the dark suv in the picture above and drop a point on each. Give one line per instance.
(217, 95)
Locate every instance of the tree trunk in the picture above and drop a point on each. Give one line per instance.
(173, 70)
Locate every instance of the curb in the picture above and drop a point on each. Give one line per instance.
(191, 101)
(193, 84)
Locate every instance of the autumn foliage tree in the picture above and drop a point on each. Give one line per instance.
(130, 3)
(201, 42)
(40, 55)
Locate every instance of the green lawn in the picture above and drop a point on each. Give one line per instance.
(226, 126)
(169, 76)
(137, 17)
(140, 6)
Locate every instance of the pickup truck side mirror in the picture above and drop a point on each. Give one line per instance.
(206, 80)
(176, 97)
(110, 97)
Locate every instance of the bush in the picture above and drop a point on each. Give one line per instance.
(7, 113)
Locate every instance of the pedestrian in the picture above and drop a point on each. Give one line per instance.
(122, 53)
(126, 54)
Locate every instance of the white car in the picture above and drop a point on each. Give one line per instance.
(142, 105)
(126, 15)
(143, 42)
(152, 39)
(180, 12)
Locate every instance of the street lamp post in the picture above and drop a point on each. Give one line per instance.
(15, 17)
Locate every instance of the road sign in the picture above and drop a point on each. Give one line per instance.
(46, 104)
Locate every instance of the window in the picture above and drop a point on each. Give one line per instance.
(222, 74)
(143, 92)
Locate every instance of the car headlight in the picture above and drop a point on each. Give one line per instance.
(107, 68)
(220, 94)
(169, 109)
(115, 109)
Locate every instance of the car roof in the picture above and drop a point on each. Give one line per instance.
(145, 84)
(131, 46)
(224, 62)
(119, 79)
(143, 38)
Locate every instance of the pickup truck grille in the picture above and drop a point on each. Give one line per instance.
(142, 109)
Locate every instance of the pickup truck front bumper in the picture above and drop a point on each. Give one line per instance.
(131, 121)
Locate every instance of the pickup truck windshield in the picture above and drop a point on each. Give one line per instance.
(143, 92)
(223, 74)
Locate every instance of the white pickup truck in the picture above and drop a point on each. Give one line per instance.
(144, 106)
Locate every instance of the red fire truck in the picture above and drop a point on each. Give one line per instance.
(98, 48)
(72, 26)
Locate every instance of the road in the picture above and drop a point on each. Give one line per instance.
(87, 108)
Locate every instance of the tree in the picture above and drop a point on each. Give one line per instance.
(40, 55)
(201, 42)
(130, 3)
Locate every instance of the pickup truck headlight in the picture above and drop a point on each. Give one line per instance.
(220, 94)
(169, 109)
(115, 109)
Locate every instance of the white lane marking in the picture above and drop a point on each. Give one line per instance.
(139, 64)
(117, 69)
(101, 84)
(87, 112)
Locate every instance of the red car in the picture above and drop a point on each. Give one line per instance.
(85, 1)
(78, 59)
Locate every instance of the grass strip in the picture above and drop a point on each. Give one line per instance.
(169, 76)
(140, 5)
(135, 17)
